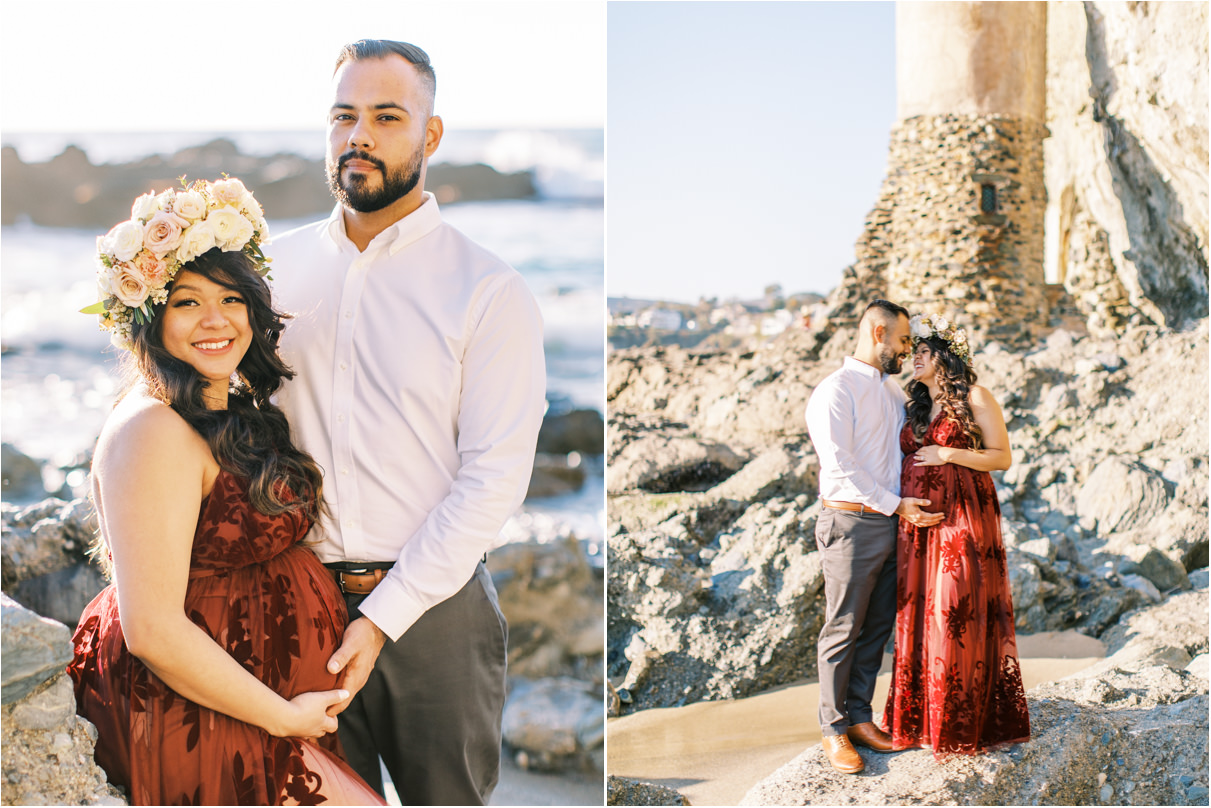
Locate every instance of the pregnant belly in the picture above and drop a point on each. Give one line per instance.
(281, 619)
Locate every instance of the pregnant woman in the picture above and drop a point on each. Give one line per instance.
(203, 663)
(957, 684)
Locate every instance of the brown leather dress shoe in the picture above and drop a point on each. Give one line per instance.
(869, 735)
(842, 755)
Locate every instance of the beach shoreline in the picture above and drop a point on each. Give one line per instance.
(714, 752)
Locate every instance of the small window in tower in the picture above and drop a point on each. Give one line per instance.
(988, 198)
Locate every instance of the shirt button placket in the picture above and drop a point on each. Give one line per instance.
(348, 504)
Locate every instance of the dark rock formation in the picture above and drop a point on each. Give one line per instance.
(20, 476)
(69, 191)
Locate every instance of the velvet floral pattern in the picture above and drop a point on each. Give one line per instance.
(273, 607)
(956, 683)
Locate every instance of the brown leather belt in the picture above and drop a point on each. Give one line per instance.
(847, 506)
(358, 583)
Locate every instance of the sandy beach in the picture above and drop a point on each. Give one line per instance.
(714, 752)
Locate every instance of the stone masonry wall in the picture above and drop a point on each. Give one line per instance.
(930, 246)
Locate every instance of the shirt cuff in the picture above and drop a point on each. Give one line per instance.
(887, 503)
(391, 608)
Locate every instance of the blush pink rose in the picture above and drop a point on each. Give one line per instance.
(153, 268)
(129, 285)
(162, 234)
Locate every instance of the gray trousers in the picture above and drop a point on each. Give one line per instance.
(432, 706)
(858, 551)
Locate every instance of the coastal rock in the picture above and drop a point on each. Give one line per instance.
(705, 614)
(555, 475)
(675, 632)
(622, 791)
(20, 476)
(1126, 158)
(48, 749)
(1118, 495)
(44, 548)
(1127, 724)
(574, 431)
(551, 596)
(660, 463)
(70, 191)
(553, 724)
(34, 649)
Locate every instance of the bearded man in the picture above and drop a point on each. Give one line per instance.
(420, 390)
(854, 417)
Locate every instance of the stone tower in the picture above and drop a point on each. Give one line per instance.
(958, 226)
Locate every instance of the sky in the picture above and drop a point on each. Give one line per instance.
(218, 65)
(745, 143)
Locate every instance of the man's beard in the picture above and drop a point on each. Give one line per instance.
(890, 362)
(355, 194)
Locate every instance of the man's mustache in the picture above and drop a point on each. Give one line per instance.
(357, 155)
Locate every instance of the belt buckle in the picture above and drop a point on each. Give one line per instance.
(340, 576)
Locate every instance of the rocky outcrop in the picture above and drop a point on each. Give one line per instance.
(551, 596)
(567, 442)
(555, 724)
(48, 749)
(69, 191)
(1131, 730)
(714, 587)
(1126, 163)
(623, 791)
(45, 557)
(20, 476)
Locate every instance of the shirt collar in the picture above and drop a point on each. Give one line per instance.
(417, 224)
(869, 371)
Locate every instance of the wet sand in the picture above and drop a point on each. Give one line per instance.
(714, 752)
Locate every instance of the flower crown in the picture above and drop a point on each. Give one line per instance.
(926, 326)
(138, 258)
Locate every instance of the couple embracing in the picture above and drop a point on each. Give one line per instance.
(297, 555)
(910, 539)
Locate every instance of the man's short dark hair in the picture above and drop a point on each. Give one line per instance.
(888, 309)
(381, 48)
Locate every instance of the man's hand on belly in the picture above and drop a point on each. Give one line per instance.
(355, 658)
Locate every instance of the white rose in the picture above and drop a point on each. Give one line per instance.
(231, 229)
(941, 323)
(124, 241)
(918, 327)
(250, 207)
(129, 286)
(229, 192)
(191, 205)
(195, 241)
(259, 224)
(145, 207)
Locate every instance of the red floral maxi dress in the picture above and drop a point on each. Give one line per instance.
(269, 603)
(956, 684)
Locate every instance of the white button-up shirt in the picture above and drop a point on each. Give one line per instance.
(420, 390)
(854, 417)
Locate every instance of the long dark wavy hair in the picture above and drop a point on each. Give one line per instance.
(955, 380)
(251, 438)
